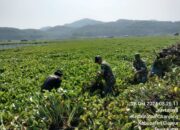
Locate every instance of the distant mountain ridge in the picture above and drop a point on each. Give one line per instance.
(83, 22)
(45, 28)
(92, 28)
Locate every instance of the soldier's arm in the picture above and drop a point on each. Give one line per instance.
(102, 70)
(57, 83)
(134, 66)
(143, 68)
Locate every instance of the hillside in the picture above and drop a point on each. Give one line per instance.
(93, 28)
(83, 22)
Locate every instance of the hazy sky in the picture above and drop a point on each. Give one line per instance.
(39, 13)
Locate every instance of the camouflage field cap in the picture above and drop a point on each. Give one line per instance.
(137, 55)
(98, 58)
(58, 73)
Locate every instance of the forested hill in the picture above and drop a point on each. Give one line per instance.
(92, 28)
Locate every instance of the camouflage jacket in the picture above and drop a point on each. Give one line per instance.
(140, 65)
(107, 73)
(51, 82)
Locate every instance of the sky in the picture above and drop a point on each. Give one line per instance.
(40, 13)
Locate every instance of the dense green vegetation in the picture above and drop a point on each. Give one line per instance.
(23, 70)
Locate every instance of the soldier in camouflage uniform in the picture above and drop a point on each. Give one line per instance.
(157, 67)
(106, 73)
(52, 81)
(160, 65)
(141, 70)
